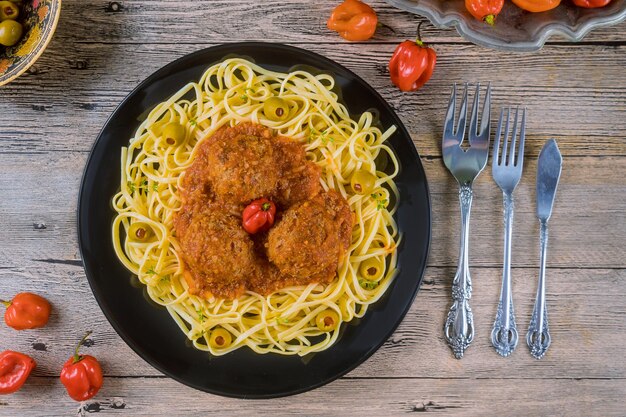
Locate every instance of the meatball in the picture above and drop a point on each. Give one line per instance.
(218, 254)
(311, 238)
(300, 179)
(240, 162)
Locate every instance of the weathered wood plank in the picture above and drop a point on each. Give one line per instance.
(167, 21)
(65, 103)
(586, 312)
(589, 201)
(444, 397)
(576, 93)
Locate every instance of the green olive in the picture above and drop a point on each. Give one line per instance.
(8, 11)
(327, 320)
(363, 182)
(174, 134)
(10, 32)
(276, 109)
(140, 232)
(220, 338)
(371, 269)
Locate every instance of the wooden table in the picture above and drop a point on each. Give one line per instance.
(575, 93)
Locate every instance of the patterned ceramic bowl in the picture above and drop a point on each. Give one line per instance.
(40, 18)
(516, 29)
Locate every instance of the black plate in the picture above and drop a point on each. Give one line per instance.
(151, 332)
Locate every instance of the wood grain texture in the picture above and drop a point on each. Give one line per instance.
(175, 21)
(585, 312)
(50, 202)
(576, 93)
(377, 397)
(78, 89)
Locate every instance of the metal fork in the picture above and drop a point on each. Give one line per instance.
(507, 171)
(465, 165)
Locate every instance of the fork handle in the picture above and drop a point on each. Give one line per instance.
(504, 336)
(459, 326)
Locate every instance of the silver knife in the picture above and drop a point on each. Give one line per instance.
(548, 174)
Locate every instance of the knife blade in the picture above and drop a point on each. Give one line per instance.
(548, 174)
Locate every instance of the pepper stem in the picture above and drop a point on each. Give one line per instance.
(266, 206)
(6, 303)
(419, 35)
(490, 19)
(77, 357)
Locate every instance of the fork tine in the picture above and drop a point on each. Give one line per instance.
(522, 137)
(486, 119)
(513, 139)
(448, 132)
(474, 119)
(460, 131)
(505, 143)
(496, 146)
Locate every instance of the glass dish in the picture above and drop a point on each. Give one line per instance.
(516, 29)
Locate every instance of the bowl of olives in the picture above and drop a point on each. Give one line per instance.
(26, 28)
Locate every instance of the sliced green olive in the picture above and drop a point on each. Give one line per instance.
(10, 32)
(140, 232)
(8, 11)
(363, 182)
(276, 109)
(174, 134)
(371, 269)
(220, 338)
(327, 320)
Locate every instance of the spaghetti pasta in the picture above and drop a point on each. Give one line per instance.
(283, 322)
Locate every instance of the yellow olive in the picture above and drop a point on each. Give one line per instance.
(220, 338)
(174, 134)
(327, 320)
(276, 109)
(140, 232)
(371, 269)
(10, 32)
(8, 11)
(363, 182)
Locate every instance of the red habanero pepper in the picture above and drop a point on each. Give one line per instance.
(591, 4)
(26, 311)
(485, 10)
(15, 368)
(412, 64)
(353, 20)
(258, 216)
(82, 375)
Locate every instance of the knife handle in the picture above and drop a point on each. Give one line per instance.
(538, 336)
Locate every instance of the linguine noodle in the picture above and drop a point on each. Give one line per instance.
(228, 93)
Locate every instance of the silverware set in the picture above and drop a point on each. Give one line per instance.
(466, 161)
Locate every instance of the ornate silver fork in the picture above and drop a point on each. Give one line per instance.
(507, 171)
(465, 165)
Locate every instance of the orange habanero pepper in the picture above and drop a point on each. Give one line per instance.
(485, 10)
(353, 20)
(26, 311)
(536, 5)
